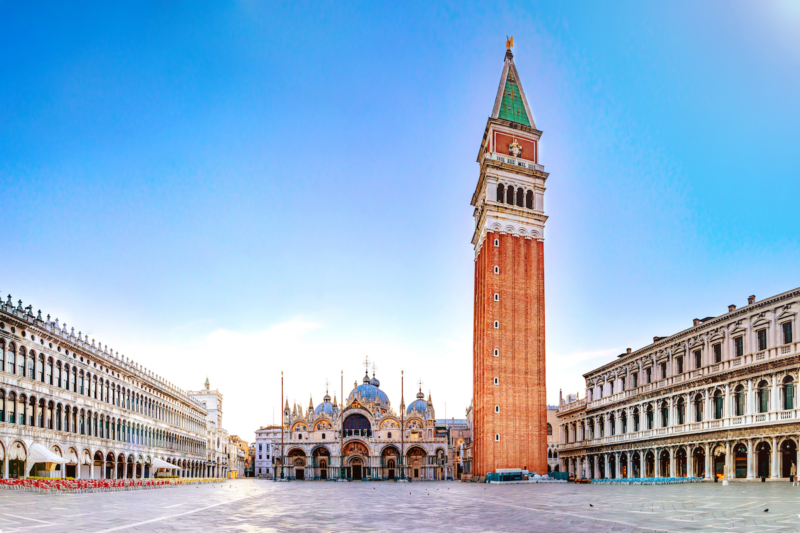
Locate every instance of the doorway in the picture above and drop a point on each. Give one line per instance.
(300, 474)
(356, 471)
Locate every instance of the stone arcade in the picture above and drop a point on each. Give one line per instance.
(717, 398)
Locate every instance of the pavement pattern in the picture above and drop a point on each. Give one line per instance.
(249, 505)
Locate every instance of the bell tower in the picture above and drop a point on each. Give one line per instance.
(510, 411)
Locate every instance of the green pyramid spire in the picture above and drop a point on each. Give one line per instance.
(511, 106)
(510, 102)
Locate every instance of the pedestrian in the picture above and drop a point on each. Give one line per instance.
(793, 474)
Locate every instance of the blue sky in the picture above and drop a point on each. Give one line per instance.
(234, 189)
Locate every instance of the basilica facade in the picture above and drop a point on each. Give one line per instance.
(363, 438)
(716, 399)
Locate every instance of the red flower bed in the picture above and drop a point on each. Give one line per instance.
(94, 485)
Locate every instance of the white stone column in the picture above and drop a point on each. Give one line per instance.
(596, 466)
(642, 463)
(689, 461)
(672, 468)
(774, 401)
(709, 473)
(750, 460)
(629, 470)
(774, 456)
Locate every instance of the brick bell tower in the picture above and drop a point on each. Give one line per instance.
(510, 410)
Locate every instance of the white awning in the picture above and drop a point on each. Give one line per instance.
(40, 454)
(158, 463)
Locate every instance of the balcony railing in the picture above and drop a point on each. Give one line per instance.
(749, 420)
(689, 375)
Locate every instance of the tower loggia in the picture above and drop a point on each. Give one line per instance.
(510, 416)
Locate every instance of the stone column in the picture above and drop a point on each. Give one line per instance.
(5, 468)
(709, 474)
(672, 468)
(617, 466)
(774, 400)
(728, 459)
(642, 463)
(689, 461)
(726, 406)
(596, 467)
(774, 474)
(750, 458)
(630, 465)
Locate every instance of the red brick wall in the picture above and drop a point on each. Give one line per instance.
(522, 421)
(501, 142)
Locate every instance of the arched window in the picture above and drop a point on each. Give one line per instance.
(40, 368)
(31, 365)
(763, 397)
(501, 192)
(788, 393)
(2, 356)
(12, 360)
(664, 415)
(681, 411)
(549, 429)
(649, 417)
(510, 195)
(520, 197)
(739, 401)
(719, 403)
(529, 199)
(48, 378)
(21, 362)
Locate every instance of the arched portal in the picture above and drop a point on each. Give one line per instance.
(740, 461)
(681, 465)
(320, 461)
(699, 464)
(788, 457)
(297, 462)
(416, 461)
(649, 465)
(389, 458)
(719, 461)
(764, 451)
(664, 464)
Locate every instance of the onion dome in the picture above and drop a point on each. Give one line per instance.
(325, 408)
(419, 405)
(369, 393)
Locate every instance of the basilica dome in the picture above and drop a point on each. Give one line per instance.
(326, 407)
(369, 392)
(419, 405)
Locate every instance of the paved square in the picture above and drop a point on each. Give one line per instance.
(255, 505)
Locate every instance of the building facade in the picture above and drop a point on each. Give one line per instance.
(216, 436)
(237, 457)
(107, 415)
(552, 439)
(718, 398)
(510, 416)
(361, 439)
(267, 446)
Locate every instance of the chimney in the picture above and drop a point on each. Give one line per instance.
(731, 308)
(696, 321)
(629, 351)
(751, 300)
(560, 397)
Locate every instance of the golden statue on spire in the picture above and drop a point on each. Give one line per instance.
(509, 42)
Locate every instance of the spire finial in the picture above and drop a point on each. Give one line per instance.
(509, 43)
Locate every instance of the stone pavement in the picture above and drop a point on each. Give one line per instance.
(254, 505)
